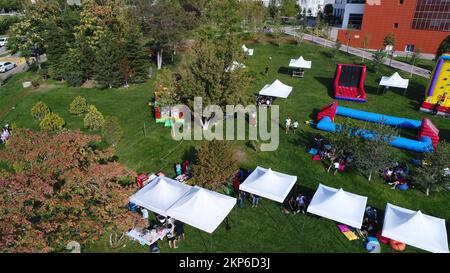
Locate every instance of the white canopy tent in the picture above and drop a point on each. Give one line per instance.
(160, 194)
(276, 89)
(395, 80)
(249, 51)
(338, 205)
(300, 63)
(235, 65)
(415, 228)
(202, 208)
(269, 184)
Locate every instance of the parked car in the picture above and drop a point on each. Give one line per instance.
(3, 41)
(6, 66)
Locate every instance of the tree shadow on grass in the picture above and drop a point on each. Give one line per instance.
(190, 154)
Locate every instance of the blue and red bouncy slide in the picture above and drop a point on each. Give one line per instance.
(428, 133)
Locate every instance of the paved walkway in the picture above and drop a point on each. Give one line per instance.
(358, 52)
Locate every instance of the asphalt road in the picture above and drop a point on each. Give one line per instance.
(19, 68)
(358, 52)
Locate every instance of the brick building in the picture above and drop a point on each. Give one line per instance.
(419, 24)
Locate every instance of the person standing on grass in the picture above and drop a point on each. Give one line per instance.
(178, 169)
(301, 203)
(288, 124)
(293, 205)
(179, 230)
(255, 201)
(295, 125)
(171, 236)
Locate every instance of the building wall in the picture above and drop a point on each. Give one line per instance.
(379, 20)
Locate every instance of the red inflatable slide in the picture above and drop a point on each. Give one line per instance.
(349, 82)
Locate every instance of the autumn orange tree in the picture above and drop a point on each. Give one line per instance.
(57, 188)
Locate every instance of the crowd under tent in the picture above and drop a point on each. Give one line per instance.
(415, 228)
(235, 65)
(160, 194)
(395, 80)
(247, 50)
(338, 205)
(269, 184)
(202, 208)
(276, 89)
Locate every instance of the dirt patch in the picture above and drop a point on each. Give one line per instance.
(239, 155)
(44, 87)
(88, 84)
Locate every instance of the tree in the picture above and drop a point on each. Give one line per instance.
(39, 110)
(52, 122)
(328, 12)
(168, 88)
(204, 75)
(274, 10)
(336, 48)
(348, 36)
(107, 62)
(378, 59)
(415, 56)
(365, 44)
(112, 131)
(389, 42)
(214, 165)
(444, 47)
(165, 22)
(344, 143)
(31, 31)
(374, 154)
(67, 190)
(94, 119)
(431, 175)
(300, 35)
(288, 8)
(78, 106)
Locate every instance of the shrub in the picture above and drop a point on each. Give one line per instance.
(78, 106)
(40, 110)
(74, 78)
(112, 131)
(35, 83)
(93, 120)
(52, 122)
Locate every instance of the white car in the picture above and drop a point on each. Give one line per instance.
(3, 41)
(6, 66)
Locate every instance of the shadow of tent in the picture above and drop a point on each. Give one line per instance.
(285, 70)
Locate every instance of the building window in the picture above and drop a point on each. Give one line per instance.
(355, 20)
(409, 48)
(395, 25)
(401, 2)
(432, 15)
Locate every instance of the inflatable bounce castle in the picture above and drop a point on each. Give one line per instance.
(166, 114)
(428, 133)
(438, 90)
(349, 82)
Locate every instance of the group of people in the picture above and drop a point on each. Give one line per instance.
(370, 222)
(6, 133)
(264, 101)
(168, 227)
(298, 204)
(289, 124)
(396, 175)
(242, 195)
(183, 169)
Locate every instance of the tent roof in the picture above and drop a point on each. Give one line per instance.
(394, 81)
(160, 194)
(276, 89)
(339, 205)
(269, 184)
(234, 65)
(300, 63)
(202, 208)
(415, 228)
(249, 51)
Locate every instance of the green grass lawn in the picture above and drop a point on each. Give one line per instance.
(262, 229)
